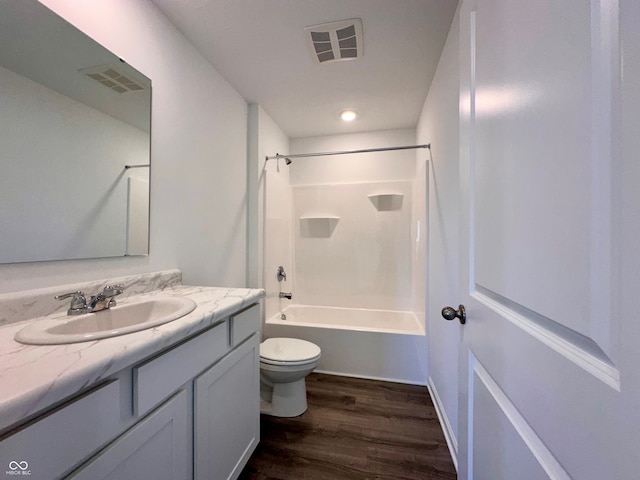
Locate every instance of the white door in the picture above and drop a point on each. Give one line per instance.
(550, 240)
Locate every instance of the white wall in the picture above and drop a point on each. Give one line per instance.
(439, 125)
(42, 187)
(270, 209)
(198, 149)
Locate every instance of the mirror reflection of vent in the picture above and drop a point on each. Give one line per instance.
(335, 41)
(112, 77)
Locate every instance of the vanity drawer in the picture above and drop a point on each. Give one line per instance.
(244, 324)
(159, 377)
(50, 445)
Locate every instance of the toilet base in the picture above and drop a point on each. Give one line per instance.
(283, 399)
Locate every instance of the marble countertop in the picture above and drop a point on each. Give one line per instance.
(33, 378)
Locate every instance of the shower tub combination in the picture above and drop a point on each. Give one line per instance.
(357, 342)
(350, 240)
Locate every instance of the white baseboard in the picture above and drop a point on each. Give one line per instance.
(370, 377)
(449, 434)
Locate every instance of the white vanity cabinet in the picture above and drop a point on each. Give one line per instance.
(191, 411)
(157, 447)
(226, 428)
(50, 445)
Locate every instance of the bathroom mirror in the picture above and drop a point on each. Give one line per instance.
(74, 142)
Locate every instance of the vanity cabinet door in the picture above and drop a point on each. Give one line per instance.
(51, 445)
(227, 413)
(158, 447)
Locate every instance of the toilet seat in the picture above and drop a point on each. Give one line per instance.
(288, 351)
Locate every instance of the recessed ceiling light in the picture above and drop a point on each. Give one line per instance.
(348, 115)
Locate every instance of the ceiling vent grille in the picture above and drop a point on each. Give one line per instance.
(331, 42)
(111, 77)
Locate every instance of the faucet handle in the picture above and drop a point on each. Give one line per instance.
(78, 302)
(62, 296)
(109, 292)
(113, 290)
(280, 274)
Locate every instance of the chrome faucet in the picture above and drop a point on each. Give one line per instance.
(105, 299)
(101, 301)
(285, 295)
(78, 302)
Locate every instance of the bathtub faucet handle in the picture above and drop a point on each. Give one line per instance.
(280, 274)
(286, 295)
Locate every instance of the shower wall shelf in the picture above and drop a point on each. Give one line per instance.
(387, 202)
(318, 227)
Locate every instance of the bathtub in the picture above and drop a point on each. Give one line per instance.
(376, 344)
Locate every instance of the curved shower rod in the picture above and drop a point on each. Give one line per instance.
(343, 152)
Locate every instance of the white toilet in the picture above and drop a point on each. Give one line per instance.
(284, 364)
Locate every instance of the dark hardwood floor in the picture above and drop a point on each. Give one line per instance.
(354, 430)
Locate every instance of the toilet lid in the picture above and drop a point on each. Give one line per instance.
(288, 350)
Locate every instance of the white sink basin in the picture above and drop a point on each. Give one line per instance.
(118, 320)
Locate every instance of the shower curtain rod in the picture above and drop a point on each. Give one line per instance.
(127, 167)
(343, 152)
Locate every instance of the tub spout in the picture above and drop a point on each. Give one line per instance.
(286, 295)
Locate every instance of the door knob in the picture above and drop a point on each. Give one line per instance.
(449, 313)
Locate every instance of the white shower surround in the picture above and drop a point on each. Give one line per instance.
(345, 270)
(357, 342)
(365, 261)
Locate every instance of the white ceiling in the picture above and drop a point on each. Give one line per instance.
(259, 47)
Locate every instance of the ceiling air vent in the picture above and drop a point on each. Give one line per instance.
(110, 76)
(335, 41)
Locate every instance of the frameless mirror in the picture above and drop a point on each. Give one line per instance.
(74, 142)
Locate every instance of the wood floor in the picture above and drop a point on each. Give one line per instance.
(354, 429)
